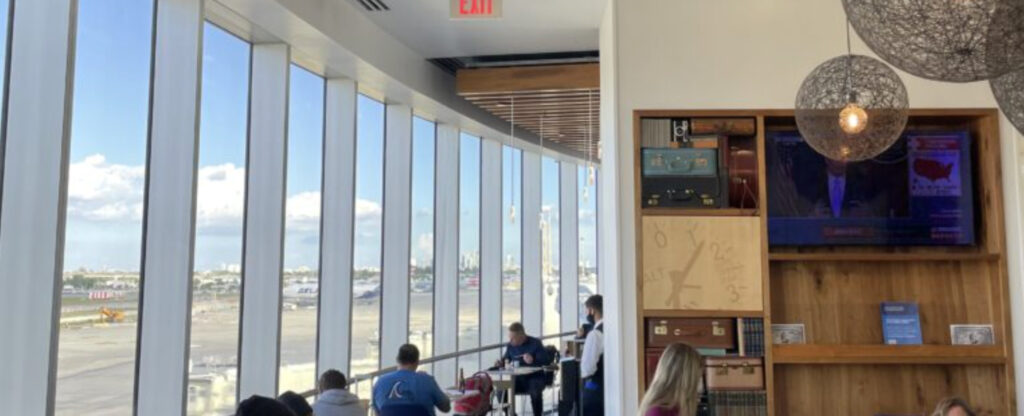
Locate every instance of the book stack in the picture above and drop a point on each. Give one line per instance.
(738, 403)
(752, 334)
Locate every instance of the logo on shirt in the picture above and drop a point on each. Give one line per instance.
(395, 394)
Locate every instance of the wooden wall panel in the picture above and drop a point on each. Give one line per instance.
(839, 301)
(865, 390)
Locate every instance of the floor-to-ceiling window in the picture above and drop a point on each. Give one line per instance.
(550, 231)
(421, 242)
(106, 181)
(512, 235)
(469, 249)
(220, 202)
(302, 231)
(366, 282)
(586, 179)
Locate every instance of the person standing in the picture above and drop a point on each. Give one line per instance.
(592, 361)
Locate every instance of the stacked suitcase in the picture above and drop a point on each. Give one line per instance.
(733, 351)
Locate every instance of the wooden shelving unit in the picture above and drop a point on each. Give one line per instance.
(881, 257)
(836, 291)
(888, 354)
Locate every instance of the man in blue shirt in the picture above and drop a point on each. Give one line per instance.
(407, 387)
(527, 351)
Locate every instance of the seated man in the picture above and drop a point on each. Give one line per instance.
(334, 398)
(407, 387)
(527, 351)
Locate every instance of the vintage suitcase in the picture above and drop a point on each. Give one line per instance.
(734, 373)
(725, 126)
(651, 358)
(685, 177)
(697, 332)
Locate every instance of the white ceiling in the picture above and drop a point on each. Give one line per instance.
(527, 26)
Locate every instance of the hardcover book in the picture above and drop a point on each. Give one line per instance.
(901, 323)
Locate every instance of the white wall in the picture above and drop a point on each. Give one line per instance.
(734, 54)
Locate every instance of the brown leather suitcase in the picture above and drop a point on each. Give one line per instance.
(739, 126)
(734, 373)
(697, 332)
(651, 358)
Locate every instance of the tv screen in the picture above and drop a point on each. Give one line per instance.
(916, 193)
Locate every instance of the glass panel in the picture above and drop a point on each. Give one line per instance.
(421, 261)
(301, 291)
(366, 290)
(220, 202)
(587, 200)
(549, 241)
(469, 250)
(512, 235)
(106, 181)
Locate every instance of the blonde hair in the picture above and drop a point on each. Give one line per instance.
(675, 381)
(950, 403)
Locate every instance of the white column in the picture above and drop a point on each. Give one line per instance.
(264, 221)
(490, 249)
(33, 195)
(338, 214)
(569, 238)
(397, 210)
(533, 290)
(164, 310)
(446, 251)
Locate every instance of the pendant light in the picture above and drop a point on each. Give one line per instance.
(1009, 92)
(943, 40)
(512, 176)
(851, 107)
(591, 171)
(540, 218)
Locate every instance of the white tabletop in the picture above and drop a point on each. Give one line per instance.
(456, 394)
(518, 371)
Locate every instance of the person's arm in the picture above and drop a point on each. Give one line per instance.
(592, 350)
(441, 400)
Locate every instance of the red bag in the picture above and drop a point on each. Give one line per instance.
(479, 404)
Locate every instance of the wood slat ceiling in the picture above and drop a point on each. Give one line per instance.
(559, 103)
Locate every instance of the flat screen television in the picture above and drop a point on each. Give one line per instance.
(916, 193)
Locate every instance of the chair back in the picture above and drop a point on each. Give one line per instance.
(404, 410)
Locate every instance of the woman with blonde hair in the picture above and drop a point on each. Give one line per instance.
(953, 406)
(674, 389)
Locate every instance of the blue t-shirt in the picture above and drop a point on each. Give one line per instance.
(408, 387)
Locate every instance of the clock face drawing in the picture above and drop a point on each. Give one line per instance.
(702, 263)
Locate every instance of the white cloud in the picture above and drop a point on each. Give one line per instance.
(425, 247)
(101, 191)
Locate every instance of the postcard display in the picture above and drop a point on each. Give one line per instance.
(912, 324)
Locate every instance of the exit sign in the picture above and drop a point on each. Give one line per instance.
(476, 9)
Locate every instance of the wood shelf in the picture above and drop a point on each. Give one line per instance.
(882, 257)
(887, 354)
(700, 212)
(682, 313)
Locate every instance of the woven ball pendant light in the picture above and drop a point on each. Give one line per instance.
(944, 40)
(851, 108)
(1009, 92)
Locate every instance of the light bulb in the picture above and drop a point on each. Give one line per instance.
(591, 175)
(512, 214)
(853, 119)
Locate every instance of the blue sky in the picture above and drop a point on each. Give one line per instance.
(108, 152)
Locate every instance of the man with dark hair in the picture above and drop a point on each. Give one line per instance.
(334, 399)
(592, 362)
(527, 351)
(296, 403)
(406, 387)
(262, 406)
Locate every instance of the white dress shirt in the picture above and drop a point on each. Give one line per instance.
(593, 348)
